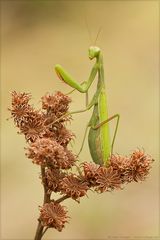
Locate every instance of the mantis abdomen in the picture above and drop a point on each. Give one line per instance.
(98, 137)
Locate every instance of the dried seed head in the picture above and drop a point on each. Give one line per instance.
(107, 179)
(90, 172)
(119, 162)
(29, 121)
(69, 161)
(20, 106)
(47, 152)
(35, 124)
(32, 126)
(52, 179)
(53, 215)
(73, 186)
(20, 99)
(64, 136)
(121, 165)
(57, 104)
(140, 164)
(133, 168)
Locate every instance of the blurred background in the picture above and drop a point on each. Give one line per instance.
(35, 35)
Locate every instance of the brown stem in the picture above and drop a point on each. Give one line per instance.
(39, 231)
(61, 199)
(45, 230)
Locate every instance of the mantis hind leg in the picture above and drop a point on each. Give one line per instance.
(116, 128)
(89, 106)
(85, 134)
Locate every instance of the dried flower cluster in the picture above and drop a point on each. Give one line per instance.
(133, 168)
(121, 170)
(48, 139)
(53, 215)
(74, 186)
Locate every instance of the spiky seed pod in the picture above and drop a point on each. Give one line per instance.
(47, 152)
(64, 136)
(140, 164)
(120, 164)
(57, 103)
(20, 107)
(69, 161)
(32, 126)
(73, 186)
(52, 179)
(90, 172)
(53, 215)
(107, 179)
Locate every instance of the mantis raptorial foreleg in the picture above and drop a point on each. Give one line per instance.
(67, 78)
(68, 93)
(81, 87)
(75, 90)
(71, 90)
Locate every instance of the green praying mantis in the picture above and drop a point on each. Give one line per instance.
(99, 141)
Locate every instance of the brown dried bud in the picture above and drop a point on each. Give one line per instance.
(32, 126)
(69, 161)
(20, 99)
(57, 103)
(52, 179)
(119, 162)
(73, 186)
(53, 215)
(90, 172)
(121, 165)
(133, 168)
(47, 152)
(64, 136)
(107, 179)
(20, 106)
(140, 164)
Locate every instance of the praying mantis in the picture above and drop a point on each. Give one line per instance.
(99, 141)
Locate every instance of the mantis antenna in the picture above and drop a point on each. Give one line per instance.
(98, 33)
(88, 29)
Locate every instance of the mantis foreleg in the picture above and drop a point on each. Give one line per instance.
(67, 78)
(76, 89)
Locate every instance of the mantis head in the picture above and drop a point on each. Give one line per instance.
(93, 52)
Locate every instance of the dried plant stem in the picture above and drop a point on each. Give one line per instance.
(39, 231)
(40, 228)
(45, 230)
(61, 199)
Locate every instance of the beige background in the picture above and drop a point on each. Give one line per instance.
(36, 36)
